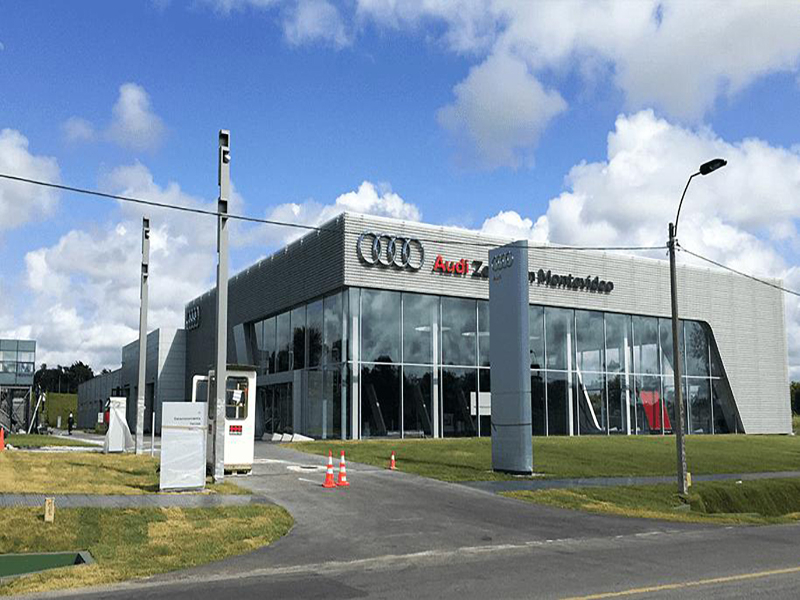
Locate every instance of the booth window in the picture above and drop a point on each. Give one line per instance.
(236, 398)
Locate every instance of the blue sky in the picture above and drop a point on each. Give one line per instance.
(563, 122)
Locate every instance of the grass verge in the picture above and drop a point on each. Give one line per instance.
(23, 440)
(85, 473)
(726, 502)
(130, 543)
(470, 459)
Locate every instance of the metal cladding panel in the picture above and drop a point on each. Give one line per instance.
(306, 269)
(512, 445)
(746, 317)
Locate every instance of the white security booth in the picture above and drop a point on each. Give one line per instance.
(240, 404)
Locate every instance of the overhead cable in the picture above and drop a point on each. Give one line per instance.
(732, 270)
(277, 223)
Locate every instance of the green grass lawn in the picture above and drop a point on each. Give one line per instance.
(129, 543)
(749, 502)
(21, 440)
(85, 473)
(469, 459)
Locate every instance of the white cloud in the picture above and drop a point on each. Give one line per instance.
(676, 56)
(369, 199)
(315, 21)
(77, 129)
(228, 6)
(134, 125)
(501, 109)
(84, 290)
(729, 216)
(23, 202)
(510, 224)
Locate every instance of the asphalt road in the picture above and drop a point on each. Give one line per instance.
(393, 535)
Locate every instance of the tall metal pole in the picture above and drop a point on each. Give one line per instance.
(142, 336)
(221, 370)
(680, 442)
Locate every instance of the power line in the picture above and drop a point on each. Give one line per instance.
(212, 213)
(732, 270)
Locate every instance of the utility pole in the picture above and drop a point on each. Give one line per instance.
(221, 371)
(142, 336)
(677, 355)
(676, 367)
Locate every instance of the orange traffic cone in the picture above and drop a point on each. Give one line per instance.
(2, 439)
(392, 463)
(342, 482)
(329, 482)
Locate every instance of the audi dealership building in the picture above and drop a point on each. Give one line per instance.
(373, 327)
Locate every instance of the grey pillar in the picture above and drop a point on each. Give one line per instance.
(221, 370)
(512, 443)
(140, 390)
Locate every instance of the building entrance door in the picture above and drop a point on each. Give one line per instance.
(278, 408)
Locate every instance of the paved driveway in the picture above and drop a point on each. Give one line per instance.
(394, 535)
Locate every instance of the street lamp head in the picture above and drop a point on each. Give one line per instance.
(712, 166)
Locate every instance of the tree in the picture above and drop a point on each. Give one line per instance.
(795, 397)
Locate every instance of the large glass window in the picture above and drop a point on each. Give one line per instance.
(482, 405)
(536, 335)
(314, 326)
(459, 331)
(380, 326)
(645, 346)
(697, 356)
(538, 410)
(483, 334)
(268, 347)
(698, 394)
(420, 314)
(558, 393)
(559, 338)
(284, 341)
(667, 354)
(380, 404)
(458, 385)
(418, 401)
(333, 328)
(299, 337)
(333, 403)
(618, 367)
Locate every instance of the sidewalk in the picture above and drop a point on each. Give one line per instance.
(548, 484)
(182, 500)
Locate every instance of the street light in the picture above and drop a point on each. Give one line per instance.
(680, 442)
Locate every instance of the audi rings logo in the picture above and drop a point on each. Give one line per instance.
(390, 250)
(502, 261)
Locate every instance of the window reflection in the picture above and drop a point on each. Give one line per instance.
(380, 326)
(420, 314)
(417, 401)
(458, 386)
(333, 328)
(314, 326)
(459, 331)
(380, 405)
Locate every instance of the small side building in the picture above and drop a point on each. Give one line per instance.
(164, 378)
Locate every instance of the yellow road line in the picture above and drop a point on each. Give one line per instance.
(687, 584)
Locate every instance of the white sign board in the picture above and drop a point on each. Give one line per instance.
(183, 445)
(118, 437)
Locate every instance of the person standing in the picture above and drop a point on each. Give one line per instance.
(70, 423)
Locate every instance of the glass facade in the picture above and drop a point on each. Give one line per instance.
(17, 362)
(364, 363)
